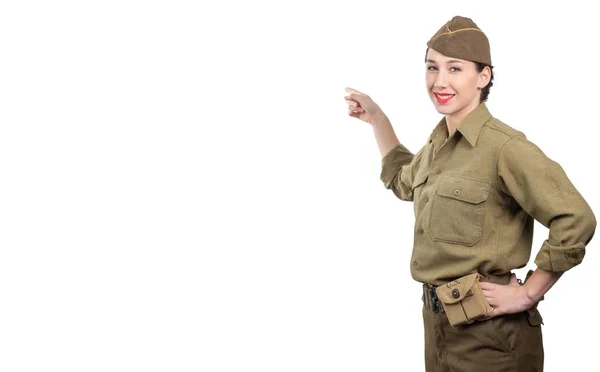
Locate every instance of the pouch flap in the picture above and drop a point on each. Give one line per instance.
(464, 189)
(456, 290)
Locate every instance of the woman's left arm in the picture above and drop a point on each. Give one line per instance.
(514, 297)
(539, 283)
(543, 190)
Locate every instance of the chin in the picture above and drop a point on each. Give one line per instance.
(443, 109)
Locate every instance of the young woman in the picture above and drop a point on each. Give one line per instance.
(477, 184)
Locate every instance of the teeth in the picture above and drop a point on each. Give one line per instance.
(444, 96)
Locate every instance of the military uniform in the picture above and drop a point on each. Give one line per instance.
(476, 195)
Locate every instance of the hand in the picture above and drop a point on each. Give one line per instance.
(363, 107)
(506, 299)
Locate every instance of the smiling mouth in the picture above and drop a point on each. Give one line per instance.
(443, 98)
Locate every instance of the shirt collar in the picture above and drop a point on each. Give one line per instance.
(470, 127)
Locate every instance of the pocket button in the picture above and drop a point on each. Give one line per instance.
(455, 293)
(457, 192)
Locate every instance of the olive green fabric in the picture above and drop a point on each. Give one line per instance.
(461, 38)
(506, 343)
(475, 197)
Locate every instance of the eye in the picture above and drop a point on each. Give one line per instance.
(454, 69)
(431, 68)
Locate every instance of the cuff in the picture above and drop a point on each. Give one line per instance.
(392, 162)
(559, 258)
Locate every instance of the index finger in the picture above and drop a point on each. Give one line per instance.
(487, 285)
(350, 90)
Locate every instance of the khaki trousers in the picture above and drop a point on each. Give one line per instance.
(508, 343)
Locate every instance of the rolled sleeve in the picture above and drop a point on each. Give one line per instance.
(559, 258)
(397, 171)
(541, 187)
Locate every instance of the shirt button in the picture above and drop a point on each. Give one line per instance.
(437, 171)
(457, 192)
(415, 263)
(425, 199)
(420, 231)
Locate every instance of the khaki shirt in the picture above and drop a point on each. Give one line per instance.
(475, 197)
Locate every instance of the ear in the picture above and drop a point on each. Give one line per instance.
(484, 77)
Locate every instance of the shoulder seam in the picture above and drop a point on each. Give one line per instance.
(487, 123)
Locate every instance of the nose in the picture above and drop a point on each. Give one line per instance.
(441, 80)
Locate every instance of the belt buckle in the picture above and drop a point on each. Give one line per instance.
(435, 300)
(430, 298)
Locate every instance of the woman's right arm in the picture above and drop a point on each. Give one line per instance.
(361, 106)
(398, 164)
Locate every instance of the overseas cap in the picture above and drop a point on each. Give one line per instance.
(461, 38)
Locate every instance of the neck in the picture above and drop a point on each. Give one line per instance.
(453, 120)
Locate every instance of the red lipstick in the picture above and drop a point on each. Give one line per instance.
(442, 97)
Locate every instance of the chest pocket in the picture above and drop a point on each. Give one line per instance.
(458, 210)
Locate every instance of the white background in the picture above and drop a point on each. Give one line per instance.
(181, 188)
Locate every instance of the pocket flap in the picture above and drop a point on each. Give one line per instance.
(420, 179)
(534, 317)
(456, 290)
(464, 189)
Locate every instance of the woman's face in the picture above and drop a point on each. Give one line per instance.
(454, 84)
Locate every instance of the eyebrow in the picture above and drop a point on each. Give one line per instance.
(449, 61)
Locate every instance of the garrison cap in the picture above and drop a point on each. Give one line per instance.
(461, 38)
